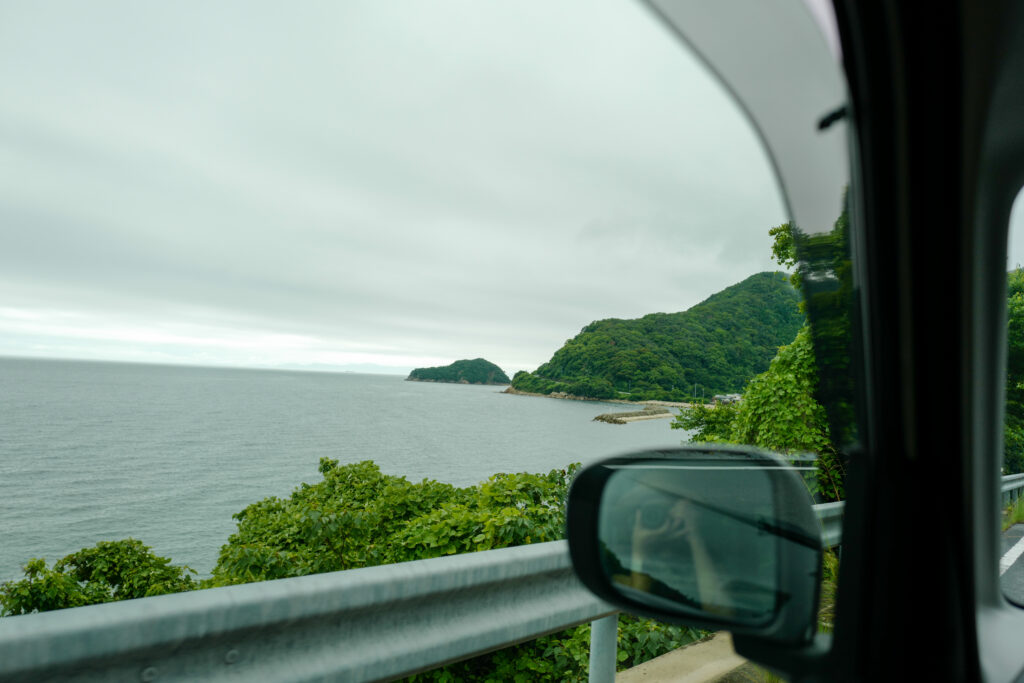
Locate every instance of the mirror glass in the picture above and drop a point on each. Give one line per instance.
(695, 537)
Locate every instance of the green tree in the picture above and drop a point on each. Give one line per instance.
(709, 423)
(342, 522)
(358, 516)
(778, 412)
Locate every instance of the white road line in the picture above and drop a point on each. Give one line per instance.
(1011, 556)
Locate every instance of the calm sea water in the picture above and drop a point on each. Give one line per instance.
(102, 451)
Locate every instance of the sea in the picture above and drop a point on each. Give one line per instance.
(94, 451)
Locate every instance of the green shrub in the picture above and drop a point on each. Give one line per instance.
(358, 516)
(107, 572)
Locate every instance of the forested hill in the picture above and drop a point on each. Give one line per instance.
(719, 344)
(476, 371)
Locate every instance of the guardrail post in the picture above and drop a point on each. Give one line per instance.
(604, 642)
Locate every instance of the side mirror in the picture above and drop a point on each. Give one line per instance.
(710, 536)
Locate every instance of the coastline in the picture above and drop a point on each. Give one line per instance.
(460, 381)
(570, 397)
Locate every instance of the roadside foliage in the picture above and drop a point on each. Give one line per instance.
(357, 516)
(107, 572)
(778, 412)
(1013, 453)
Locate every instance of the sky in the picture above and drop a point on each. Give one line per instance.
(360, 185)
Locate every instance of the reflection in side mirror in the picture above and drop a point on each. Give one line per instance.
(715, 537)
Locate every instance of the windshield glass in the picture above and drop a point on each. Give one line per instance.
(232, 232)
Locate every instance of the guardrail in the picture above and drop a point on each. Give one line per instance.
(357, 625)
(366, 624)
(831, 517)
(1013, 486)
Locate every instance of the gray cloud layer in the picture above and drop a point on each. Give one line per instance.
(388, 183)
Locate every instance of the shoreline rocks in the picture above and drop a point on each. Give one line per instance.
(653, 413)
(460, 381)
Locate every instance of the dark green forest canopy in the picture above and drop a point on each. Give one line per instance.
(476, 371)
(718, 345)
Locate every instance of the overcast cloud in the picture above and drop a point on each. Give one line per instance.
(392, 184)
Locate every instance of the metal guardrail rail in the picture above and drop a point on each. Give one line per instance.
(831, 517)
(366, 624)
(1013, 486)
(356, 625)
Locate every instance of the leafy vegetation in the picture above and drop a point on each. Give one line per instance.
(107, 572)
(357, 516)
(824, 275)
(476, 371)
(360, 517)
(778, 412)
(1013, 444)
(718, 345)
(1013, 514)
(829, 583)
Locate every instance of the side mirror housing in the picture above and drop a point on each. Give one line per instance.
(717, 537)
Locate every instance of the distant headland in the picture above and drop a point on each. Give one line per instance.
(476, 371)
(718, 345)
